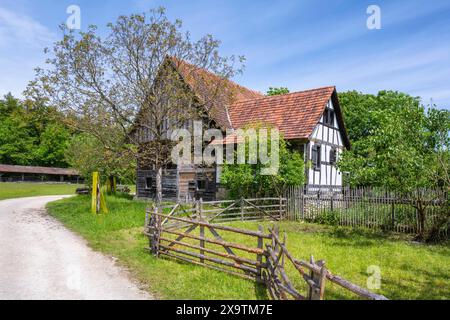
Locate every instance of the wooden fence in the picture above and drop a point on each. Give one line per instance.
(195, 240)
(315, 274)
(230, 210)
(364, 207)
(185, 238)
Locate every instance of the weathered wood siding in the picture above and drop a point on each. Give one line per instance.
(178, 184)
(169, 184)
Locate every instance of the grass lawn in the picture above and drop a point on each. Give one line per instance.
(408, 271)
(19, 190)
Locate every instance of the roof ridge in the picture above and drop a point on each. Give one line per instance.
(286, 94)
(216, 75)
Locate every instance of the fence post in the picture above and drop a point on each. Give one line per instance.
(146, 224)
(318, 281)
(332, 202)
(393, 215)
(302, 203)
(321, 279)
(317, 290)
(154, 231)
(259, 256)
(202, 228)
(280, 208)
(242, 209)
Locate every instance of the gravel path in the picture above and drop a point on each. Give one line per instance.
(41, 259)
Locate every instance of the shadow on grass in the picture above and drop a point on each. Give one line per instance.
(122, 195)
(360, 233)
(261, 291)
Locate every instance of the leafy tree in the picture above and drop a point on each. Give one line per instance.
(31, 134)
(86, 154)
(396, 144)
(277, 91)
(105, 83)
(247, 180)
(52, 146)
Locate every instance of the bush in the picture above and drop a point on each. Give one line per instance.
(328, 217)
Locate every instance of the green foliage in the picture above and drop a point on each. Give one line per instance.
(277, 91)
(53, 144)
(86, 154)
(246, 180)
(328, 217)
(31, 134)
(394, 141)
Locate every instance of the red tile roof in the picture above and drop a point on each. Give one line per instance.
(294, 114)
(205, 84)
(37, 170)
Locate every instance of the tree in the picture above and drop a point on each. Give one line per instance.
(86, 154)
(52, 146)
(31, 134)
(247, 180)
(277, 91)
(129, 80)
(396, 144)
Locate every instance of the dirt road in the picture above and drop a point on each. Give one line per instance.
(40, 259)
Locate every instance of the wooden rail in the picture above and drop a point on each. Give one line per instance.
(198, 241)
(213, 252)
(315, 275)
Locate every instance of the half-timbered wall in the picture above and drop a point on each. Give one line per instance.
(325, 138)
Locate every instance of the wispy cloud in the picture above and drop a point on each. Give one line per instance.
(22, 40)
(16, 28)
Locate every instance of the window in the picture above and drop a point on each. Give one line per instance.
(333, 156)
(148, 183)
(316, 157)
(201, 185)
(328, 117)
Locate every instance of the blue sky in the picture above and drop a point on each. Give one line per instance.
(297, 44)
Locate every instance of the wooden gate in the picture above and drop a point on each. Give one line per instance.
(197, 241)
(188, 237)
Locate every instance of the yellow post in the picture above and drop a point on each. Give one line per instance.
(95, 205)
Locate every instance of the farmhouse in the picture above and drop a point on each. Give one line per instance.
(310, 120)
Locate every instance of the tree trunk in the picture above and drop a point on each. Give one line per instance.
(158, 196)
(421, 219)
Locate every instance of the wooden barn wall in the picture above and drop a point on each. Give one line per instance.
(178, 185)
(169, 184)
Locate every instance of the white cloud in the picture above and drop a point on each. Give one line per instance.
(22, 40)
(22, 29)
